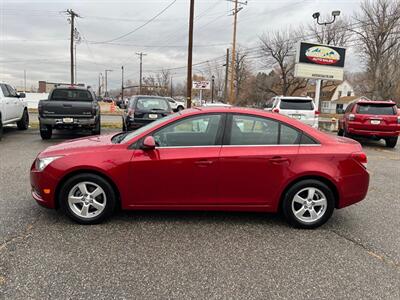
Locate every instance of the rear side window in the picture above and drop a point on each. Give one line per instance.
(289, 135)
(375, 109)
(71, 95)
(5, 91)
(248, 130)
(151, 104)
(296, 104)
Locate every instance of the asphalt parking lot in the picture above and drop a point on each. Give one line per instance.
(143, 255)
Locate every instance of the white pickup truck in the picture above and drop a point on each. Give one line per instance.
(13, 108)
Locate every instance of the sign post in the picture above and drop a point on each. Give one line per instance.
(201, 85)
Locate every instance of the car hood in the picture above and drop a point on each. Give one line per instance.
(88, 144)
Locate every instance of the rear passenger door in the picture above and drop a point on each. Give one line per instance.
(6, 104)
(256, 157)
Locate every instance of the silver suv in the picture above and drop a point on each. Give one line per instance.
(300, 108)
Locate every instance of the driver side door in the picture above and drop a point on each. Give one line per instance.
(182, 169)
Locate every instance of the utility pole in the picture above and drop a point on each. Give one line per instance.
(141, 70)
(172, 87)
(105, 89)
(226, 75)
(190, 57)
(100, 75)
(24, 81)
(72, 16)
(122, 84)
(235, 12)
(212, 88)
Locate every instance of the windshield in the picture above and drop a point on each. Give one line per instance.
(152, 104)
(71, 94)
(296, 104)
(376, 109)
(151, 125)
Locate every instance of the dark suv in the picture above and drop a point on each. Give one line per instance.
(371, 119)
(142, 110)
(69, 107)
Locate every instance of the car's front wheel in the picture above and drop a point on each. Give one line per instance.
(87, 198)
(308, 204)
(391, 142)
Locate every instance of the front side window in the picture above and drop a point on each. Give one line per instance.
(71, 95)
(189, 132)
(11, 91)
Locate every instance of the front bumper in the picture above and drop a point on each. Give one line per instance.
(43, 188)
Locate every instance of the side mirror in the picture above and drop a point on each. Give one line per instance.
(21, 95)
(149, 143)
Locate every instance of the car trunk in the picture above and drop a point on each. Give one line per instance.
(151, 114)
(74, 108)
(375, 117)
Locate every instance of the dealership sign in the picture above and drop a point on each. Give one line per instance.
(320, 61)
(201, 85)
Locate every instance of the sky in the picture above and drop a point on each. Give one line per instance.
(34, 35)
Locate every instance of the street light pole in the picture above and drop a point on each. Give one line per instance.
(105, 88)
(212, 88)
(190, 57)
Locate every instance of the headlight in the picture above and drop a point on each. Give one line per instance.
(42, 163)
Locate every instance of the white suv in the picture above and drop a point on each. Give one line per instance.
(13, 108)
(300, 108)
(175, 104)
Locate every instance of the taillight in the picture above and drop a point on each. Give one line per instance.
(352, 117)
(131, 112)
(360, 157)
(275, 110)
(317, 113)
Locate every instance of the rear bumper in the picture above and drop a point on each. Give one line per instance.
(77, 122)
(353, 188)
(373, 133)
(137, 123)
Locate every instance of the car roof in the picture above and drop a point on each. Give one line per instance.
(72, 87)
(294, 98)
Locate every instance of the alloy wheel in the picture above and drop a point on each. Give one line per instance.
(309, 205)
(87, 200)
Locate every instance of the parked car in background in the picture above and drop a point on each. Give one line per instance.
(216, 104)
(176, 105)
(142, 110)
(229, 159)
(300, 108)
(120, 103)
(107, 99)
(69, 107)
(371, 119)
(13, 108)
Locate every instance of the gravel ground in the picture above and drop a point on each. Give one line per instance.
(147, 255)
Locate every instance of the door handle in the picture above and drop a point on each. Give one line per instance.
(278, 160)
(204, 162)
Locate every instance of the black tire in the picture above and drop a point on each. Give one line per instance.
(340, 132)
(288, 201)
(1, 128)
(23, 124)
(346, 134)
(97, 129)
(109, 201)
(46, 131)
(391, 142)
(180, 107)
(124, 125)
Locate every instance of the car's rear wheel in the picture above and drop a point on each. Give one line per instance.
(391, 142)
(308, 204)
(179, 108)
(23, 124)
(87, 198)
(46, 131)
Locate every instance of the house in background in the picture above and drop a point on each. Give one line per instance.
(331, 94)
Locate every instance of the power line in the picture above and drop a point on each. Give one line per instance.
(141, 26)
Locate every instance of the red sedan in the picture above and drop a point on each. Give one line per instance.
(221, 158)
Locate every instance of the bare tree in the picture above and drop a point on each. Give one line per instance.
(278, 49)
(242, 72)
(163, 82)
(335, 34)
(379, 44)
